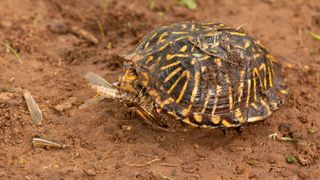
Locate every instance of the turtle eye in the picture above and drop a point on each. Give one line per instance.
(131, 72)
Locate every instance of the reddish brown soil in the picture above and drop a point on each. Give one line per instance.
(54, 62)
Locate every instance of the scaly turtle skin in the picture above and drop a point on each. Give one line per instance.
(204, 74)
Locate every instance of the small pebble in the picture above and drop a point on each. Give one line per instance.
(126, 127)
(117, 166)
(58, 27)
(66, 105)
(90, 172)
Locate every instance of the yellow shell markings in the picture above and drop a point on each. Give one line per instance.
(263, 67)
(264, 103)
(257, 74)
(218, 61)
(204, 58)
(226, 123)
(170, 65)
(197, 117)
(146, 45)
(254, 106)
(153, 92)
(248, 95)
(162, 36)
(213, 34)
(186, 111)
(184, 88)
(166, 102)
(271, 58)
(193, 61)
(185, 73)
(254, 88)
(173, 73)
(183, 26)
(183, 37)
(183, 48)
(150, 58)
(238, 115)
(179, 33)
(246, 44)
(216, 119)
(194, 91)
(259, 43)
(218, 92)
(259, 118)
(270, 76)
(256, 55)
(230, 91)
(207, 28)
(158, 59)
(153, 35)
(195, 88)
(148, 42)
(170, 56)
(241, 85)
(164, 46)
(144, 78)
(238, 34)
(193, 27)
(203, 68)
(206, 101)
(204, 45)
(240, 47)
(255, 118)
(187, 121)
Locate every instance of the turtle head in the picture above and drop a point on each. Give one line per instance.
(130, 81)
(277, 95)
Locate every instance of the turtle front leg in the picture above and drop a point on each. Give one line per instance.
(150, 119)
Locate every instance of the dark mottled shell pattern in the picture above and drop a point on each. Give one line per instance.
(208, 75)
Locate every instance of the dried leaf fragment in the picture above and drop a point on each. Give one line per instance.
(33, 107)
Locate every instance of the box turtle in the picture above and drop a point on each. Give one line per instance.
(206, 75)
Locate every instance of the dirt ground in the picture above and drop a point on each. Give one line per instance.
(51, 62)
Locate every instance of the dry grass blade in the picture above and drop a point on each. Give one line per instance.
(191, 4)
(145, 164)
(84, 34)
(102, 31)
(315, 36)
(33, 107)
(94, 100)
(12, 50)
(95, 79)
(168, 165)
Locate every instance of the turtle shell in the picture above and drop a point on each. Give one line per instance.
(209, 75)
